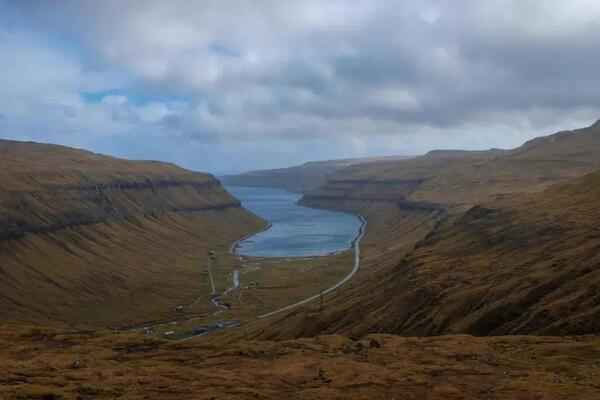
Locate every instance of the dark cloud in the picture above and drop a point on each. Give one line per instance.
(401, 76)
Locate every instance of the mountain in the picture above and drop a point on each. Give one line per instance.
(301, 178)
(479, 278)
(526, 264)
(87, 239)
(519, 258)
(463, 178)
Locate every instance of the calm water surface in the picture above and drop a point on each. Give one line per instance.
(296, 231)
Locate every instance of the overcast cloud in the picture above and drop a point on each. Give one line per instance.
(234, 85)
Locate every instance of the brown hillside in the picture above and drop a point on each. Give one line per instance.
(90, 239)
(44, 364)
(524, 264)
(513, 252)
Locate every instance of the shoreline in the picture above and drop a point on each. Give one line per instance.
(355, 269)
(236, 244)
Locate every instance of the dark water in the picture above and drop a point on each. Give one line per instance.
(296, 231)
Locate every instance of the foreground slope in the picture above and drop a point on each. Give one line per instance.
(44, 364)
(90, 239)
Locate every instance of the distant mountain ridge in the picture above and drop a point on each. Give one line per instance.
(301, 178)
(467, 177)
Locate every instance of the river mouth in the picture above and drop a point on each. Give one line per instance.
(295, 230)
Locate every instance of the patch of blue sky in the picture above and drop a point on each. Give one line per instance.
(133, 97)
(223, 50)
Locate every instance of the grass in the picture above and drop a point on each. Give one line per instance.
(102, 365)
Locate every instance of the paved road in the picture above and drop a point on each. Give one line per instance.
(334, 287)
(235, 279)
(210, 275)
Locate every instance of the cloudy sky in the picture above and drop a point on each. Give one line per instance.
(226, 85)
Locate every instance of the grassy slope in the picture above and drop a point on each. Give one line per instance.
(94, 240)
(42, 364)
(528, 265)
(517, 263)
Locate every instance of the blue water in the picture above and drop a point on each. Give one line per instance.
(295, 231)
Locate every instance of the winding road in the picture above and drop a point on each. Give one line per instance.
(355, 269)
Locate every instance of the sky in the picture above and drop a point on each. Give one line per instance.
(227, 86)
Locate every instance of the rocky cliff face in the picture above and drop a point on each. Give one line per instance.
(52, 208)
(47, 188)
(79, 231)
